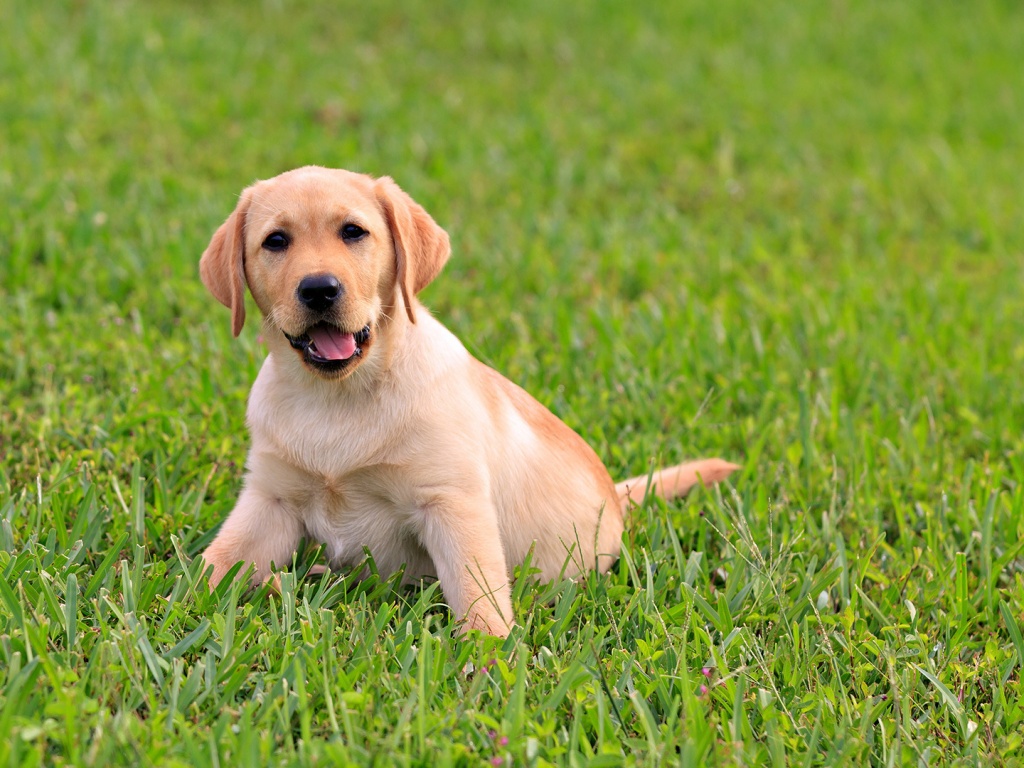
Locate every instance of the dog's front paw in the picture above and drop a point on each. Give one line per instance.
(222, 563)
(220, 568)
(488, 621)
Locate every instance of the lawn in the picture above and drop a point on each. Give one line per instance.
(784, 233)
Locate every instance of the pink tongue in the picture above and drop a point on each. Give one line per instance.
(332, 345)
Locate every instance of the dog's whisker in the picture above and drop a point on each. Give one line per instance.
(264, 206)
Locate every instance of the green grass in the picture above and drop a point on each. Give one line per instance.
(786, 233)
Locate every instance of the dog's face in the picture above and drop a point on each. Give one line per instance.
(329, 256)
(320, 263)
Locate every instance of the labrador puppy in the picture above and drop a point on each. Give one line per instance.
(372, 426)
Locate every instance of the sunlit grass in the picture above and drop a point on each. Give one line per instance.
(785, 234)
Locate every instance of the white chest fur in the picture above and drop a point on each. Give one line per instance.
(347, 460)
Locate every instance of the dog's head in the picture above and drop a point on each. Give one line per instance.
(329, 256)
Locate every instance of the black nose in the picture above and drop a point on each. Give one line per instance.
(319, 292)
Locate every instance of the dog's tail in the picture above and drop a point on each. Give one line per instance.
(673, 481)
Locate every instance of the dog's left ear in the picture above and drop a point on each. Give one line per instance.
(421, 246)
(222, 266)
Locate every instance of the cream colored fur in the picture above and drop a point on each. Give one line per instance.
(416, 451)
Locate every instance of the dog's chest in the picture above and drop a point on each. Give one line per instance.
(330, 449)
(370, 509)
(325, 437)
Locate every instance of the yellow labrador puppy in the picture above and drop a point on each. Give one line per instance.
(373, 427)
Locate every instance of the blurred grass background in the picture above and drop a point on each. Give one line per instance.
(784, 233)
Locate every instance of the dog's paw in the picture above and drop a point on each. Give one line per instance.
(488, 622)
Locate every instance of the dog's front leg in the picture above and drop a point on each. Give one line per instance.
(260, 531)
(462, 538)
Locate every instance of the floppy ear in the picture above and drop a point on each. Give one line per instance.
(222, 266)
(421, 246)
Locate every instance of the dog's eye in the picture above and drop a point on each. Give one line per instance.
(351, 232)
(276, 241)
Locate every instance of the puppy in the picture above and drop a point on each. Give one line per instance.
(373, 427)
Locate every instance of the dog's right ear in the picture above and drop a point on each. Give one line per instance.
(222, 266)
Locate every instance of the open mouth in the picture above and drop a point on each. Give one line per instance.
(329, 348)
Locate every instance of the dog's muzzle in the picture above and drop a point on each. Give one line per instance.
(329, 348)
